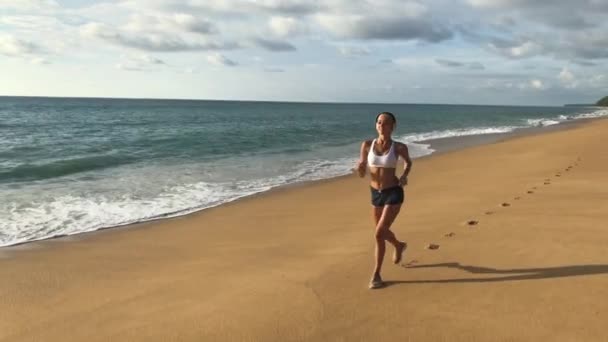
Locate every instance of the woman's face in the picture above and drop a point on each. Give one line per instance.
(385, 125)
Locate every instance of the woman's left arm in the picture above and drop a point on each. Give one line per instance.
(403, 152)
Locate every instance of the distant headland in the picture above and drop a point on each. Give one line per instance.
(602, 103)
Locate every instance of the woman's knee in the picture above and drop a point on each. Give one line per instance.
(382, 234)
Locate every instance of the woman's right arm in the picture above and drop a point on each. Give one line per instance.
(362, 163)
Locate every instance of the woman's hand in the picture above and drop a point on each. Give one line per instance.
(361, 167)
(403, 181)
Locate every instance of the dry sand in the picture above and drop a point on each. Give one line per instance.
(294, 264)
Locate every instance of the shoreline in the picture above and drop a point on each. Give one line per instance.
(440, 146)
(294, 265)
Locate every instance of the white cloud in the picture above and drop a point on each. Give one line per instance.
(285, 26)
(537, 84)
(30, 22)
(11, 46)
(154, 41)
(169, 22)
(28, 5)
(139, 62)
(220, 60)
(489, 3)
(40, 61)
(353, 51)
(514, 49)
(566, 76)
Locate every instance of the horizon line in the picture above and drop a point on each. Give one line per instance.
(284, 101)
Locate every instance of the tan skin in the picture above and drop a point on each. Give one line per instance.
(383, 178)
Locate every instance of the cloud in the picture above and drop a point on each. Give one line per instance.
(537, 84)
(273, 45)
(285, 26)
(40, 61)
(567, 78)
(515, 48)
(160, 42)
(353, 51)
(170, 22)
(270, 69)
(29, 5)
(384, 28)
(220, 60)
(35, 23)
(456, 64)
(14, 47)
(140, 62)
(294, 7)
(585, 63)
(284, 7)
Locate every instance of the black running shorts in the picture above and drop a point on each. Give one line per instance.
(388, 196)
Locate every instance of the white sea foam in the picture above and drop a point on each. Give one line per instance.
(596, 114)
(416, 137)
(102, 206)
(543, 122)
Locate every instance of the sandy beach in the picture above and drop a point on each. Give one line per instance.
(294, 264)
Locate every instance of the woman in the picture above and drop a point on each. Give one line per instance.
(381, 155)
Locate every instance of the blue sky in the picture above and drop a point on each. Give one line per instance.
(438, 51)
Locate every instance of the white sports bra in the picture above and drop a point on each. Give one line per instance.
(387, 160)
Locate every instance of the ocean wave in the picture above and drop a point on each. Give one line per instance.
(59, 168)
(417, 137)
(544, 122)
(95, 209)
(596, 114)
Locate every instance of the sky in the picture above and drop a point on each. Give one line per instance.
(503, 52)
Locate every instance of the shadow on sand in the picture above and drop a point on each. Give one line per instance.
(508, 274)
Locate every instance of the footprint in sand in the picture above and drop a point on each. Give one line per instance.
(558, 175)
(413, 262)
(547, 183)
(450, 234)
(515, 198)
(472, 222)
(530, 191)
(432, 246)
(505, 204)
(489, 212)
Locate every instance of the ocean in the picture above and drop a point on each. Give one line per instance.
(72, 165)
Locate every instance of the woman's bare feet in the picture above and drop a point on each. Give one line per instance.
(376, 282)
(401, 247)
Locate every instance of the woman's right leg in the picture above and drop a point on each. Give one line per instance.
(384, 217)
